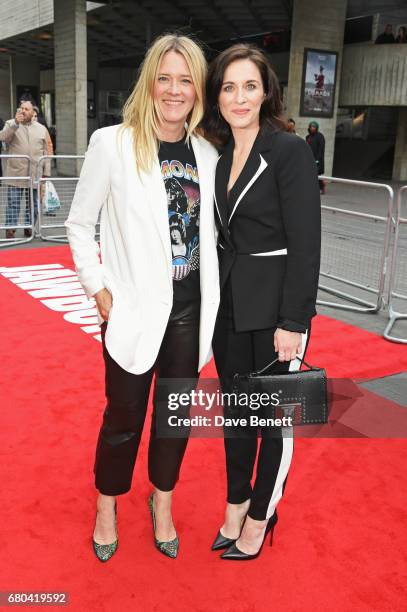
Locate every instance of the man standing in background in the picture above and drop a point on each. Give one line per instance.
(316, 141)
(1, 147)
(291, 125)
(23, 137)
(386, 37)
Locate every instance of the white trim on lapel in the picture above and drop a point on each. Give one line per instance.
(217, 208)
(214, 192)
(260, 169)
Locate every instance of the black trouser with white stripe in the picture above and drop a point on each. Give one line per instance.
(241, 353)
(127, 398)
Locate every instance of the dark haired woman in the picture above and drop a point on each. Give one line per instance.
(402, 35)
(268, 215)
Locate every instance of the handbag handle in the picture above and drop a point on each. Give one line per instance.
(310, 367)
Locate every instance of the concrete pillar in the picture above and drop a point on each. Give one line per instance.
(70, 81)
(317, 24)
(400, 153)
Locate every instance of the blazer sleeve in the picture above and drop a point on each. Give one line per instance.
(91, 193)
(301, 213)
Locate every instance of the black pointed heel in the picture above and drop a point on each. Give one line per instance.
(222, 542)
(234, 554)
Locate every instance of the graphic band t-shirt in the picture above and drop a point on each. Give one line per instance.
(180, 175)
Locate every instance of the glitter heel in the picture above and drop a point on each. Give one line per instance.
(105, 551)
(169, 548)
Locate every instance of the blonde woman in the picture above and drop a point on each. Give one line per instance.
(156, 286)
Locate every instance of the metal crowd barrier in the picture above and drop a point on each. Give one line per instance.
(397, 291)
(16, 205)
(354, 252)
(51, 220)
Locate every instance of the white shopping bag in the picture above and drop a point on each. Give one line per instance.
(51, 199)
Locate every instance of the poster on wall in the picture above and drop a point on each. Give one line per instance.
(318, 83)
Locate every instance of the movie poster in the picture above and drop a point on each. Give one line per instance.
(318, 83)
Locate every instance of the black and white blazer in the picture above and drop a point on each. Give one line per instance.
(270, 232)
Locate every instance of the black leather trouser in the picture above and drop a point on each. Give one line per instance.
(243, 352)
(127, 399)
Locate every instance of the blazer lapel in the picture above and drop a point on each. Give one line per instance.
(205, 185)
(221, 180)
(155, 196)
(253, 168)
(205, 181)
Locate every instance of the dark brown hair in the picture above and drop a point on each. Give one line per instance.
(215, 128)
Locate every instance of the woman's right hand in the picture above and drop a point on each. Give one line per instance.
(103, 300)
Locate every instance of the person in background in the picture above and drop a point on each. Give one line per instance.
(316, 141)
(291, 126)
(386, 37)
(1, 147)
(40, 118)
(23, 137)
(402, 35)
(50, 147)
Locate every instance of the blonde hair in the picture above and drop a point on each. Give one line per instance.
(140, 112)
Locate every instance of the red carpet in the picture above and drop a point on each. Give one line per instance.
(340, 543)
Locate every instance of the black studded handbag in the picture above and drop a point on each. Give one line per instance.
(301, 396)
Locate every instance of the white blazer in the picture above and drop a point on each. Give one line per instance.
(135, 246)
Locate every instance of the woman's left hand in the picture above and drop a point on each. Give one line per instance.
(287, 344)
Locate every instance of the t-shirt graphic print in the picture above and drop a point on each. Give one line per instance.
(180, 175)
